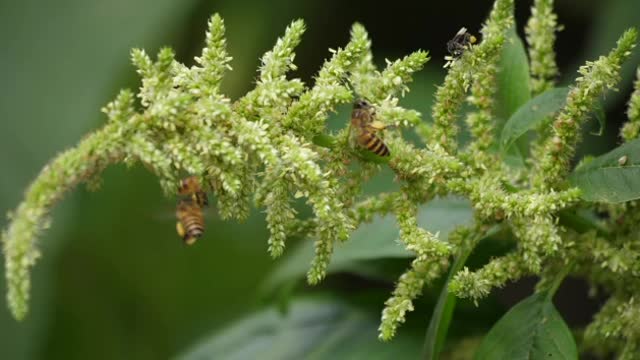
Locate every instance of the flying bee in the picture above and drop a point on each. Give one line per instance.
(363, 120)
(191, 186)
(457, 46)
(190, 225)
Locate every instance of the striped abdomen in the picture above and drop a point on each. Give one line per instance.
(190, 224)
(194, 227)
(370, 141)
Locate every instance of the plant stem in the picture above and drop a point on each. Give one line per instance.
(67, 170)
(443, 312)
(557, 281)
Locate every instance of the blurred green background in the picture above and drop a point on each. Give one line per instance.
(115, 281)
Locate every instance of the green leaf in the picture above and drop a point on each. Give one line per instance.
(581, 221)
(324, 140)
(375, 240)
(513, 90)
(533, 329)
(384, 269)
(532, 114)
(311, 329)
(513, 86)
(612, 177)
(513, 76)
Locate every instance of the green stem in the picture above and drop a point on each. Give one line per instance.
(443, 312)
(67, 170)
(557, 281)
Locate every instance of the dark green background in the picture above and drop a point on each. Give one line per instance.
(115, 282)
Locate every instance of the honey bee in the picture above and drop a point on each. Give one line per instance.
(456, 46)
(190, 225)
(191, 186)
(363, 120)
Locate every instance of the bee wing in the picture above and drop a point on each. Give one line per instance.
(461, 32)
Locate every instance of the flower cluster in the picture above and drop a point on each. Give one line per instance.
(610, 259)
(271, 146)
(541, 34)
(596, 77)
(260, 148)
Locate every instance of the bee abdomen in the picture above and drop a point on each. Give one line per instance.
(193, 231)
(374, 144)
(194, 227)
(190, 224)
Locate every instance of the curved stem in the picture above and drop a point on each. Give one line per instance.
(66, 171)
(442, 313)
(557, 281)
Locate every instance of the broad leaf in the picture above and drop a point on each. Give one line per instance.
(513, 77)
(612, 177)
(532, 114)
(311, 329)
(581, 221)
(531, 330)
(513, 90)
(324, 140)
(376, 240)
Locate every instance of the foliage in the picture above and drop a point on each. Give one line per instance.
(305, 331)
(533, 329)
(272, 146)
